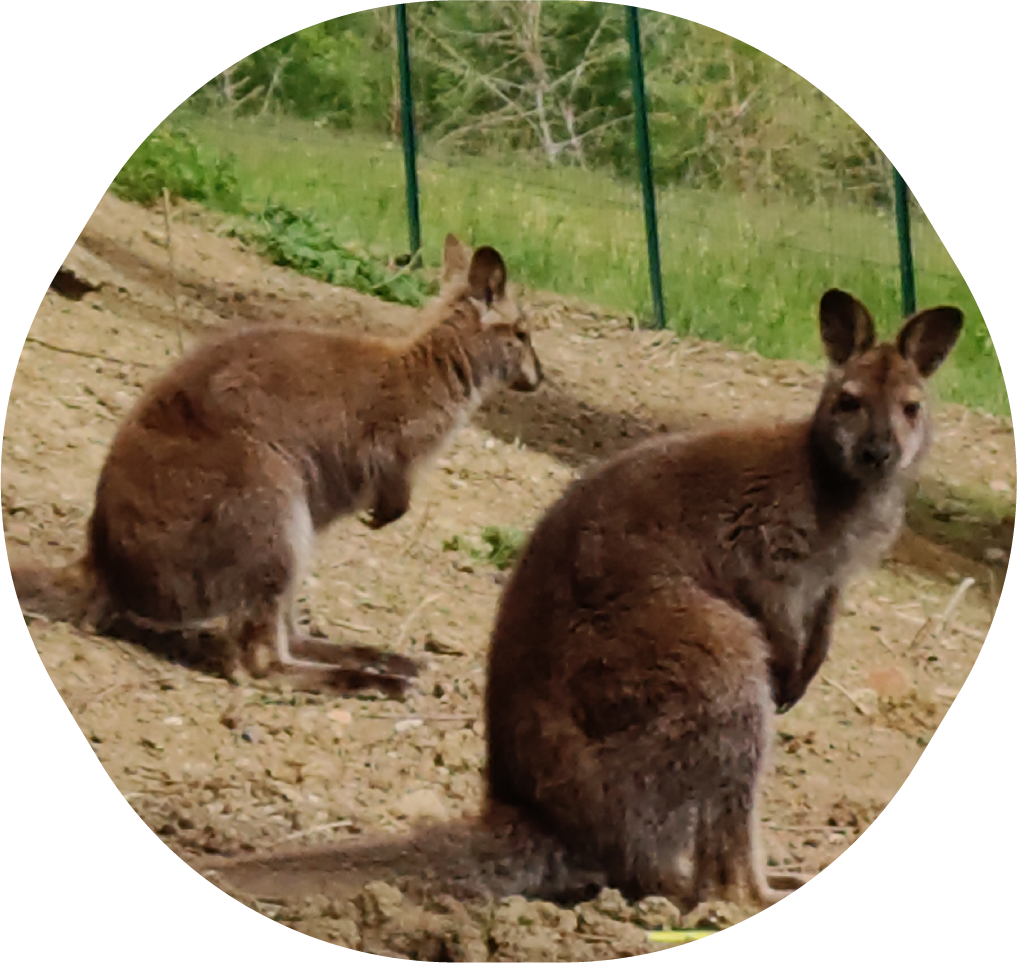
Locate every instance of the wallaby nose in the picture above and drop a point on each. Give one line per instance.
(875, 454)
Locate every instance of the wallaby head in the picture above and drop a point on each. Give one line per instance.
(482, 278)
(872, 421)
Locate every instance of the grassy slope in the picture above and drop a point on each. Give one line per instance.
(735, 269)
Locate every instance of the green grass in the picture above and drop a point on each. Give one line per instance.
(298, 239)
(736, 269)
(502, 546)
(172, 160)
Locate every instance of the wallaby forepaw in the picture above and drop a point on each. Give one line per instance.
(370, 521)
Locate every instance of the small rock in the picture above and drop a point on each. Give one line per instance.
(379, 902)
(435, 645)
(611, 903)
(999, 485)
(253, 734)
(714, 913)
(889, 683)
(341, 716)
(173, 721)
(346, 933)
(866, 701)
(993, 554)
(230, 720)
(422, 805)
(657, 913)
(405, 725)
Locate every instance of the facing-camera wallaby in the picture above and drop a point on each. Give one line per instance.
(660, 611)
(672, 599)
(217, 482)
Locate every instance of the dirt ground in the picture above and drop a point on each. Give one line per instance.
(218, 769)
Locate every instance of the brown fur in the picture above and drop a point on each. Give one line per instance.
(218, 480)
(661, 609)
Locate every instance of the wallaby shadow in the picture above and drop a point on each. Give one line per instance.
(554, 422)
(353, 668)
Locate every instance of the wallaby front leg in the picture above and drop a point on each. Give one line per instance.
(391, 499)
(816, 649)
(785, 641)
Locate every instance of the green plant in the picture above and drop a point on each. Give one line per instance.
(503, 546)
(171, 159)
(299, 240)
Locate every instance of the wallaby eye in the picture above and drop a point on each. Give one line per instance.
(911, 409)
(848, 402)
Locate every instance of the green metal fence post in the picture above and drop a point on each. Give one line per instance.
(907, 263)
(409, 138)
(645, 163)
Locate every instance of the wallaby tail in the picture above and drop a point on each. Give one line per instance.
(502, 855)
(62, 594)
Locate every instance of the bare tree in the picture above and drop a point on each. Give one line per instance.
(519, 67)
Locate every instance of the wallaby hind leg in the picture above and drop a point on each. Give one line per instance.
(726, 853)
(318, 663)
(266, 649)
(661, 707)
(364, 664)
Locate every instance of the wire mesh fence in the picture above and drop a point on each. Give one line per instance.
(523, 124)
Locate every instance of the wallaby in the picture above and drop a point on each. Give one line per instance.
(671, 600)
(219, 478)
(660, 612)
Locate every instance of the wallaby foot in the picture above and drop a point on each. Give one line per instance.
(342, 681)
(317, 665)
(270, 647)
(364, 658)
(391, 500)
(788, 882)
(776, 887)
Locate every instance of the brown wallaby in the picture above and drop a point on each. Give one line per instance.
(218, 480)
(661, 610)
(670, 600)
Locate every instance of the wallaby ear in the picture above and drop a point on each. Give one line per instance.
(487, 275)
(845, 325)
(929, 336)
(455, 260)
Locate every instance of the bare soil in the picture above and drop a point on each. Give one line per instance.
(218, 769)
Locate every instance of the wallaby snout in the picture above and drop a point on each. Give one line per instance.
(529, 373)
(880, 454)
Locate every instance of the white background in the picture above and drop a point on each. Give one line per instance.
(83, 84)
